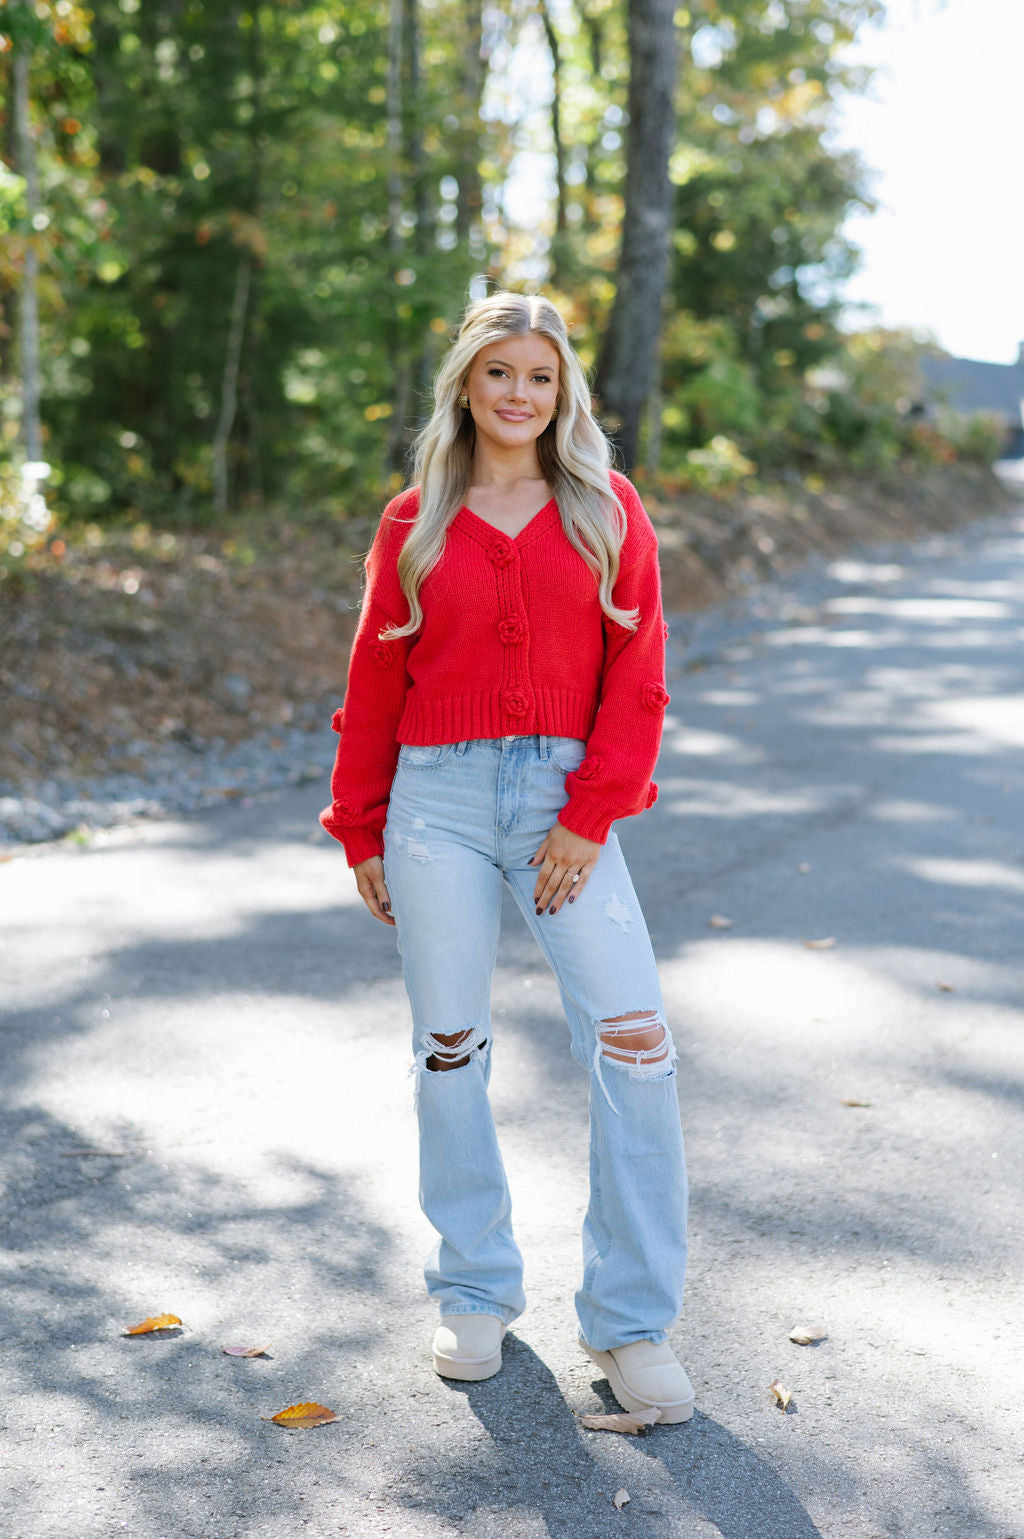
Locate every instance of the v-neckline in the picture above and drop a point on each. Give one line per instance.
(494, 528)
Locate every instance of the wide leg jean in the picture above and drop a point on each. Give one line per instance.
(463, 818)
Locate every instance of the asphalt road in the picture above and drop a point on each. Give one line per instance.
(207, 1111)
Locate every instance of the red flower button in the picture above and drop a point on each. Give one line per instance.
(337, 719)
(590, 767)
(501, 555)
(516, 702)
(655, 698)
(652, 795)
(665, 630)
(382, 653)
(512, 632)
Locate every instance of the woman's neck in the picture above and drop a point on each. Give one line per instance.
(498, 471)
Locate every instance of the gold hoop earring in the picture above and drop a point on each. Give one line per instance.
(463, 401)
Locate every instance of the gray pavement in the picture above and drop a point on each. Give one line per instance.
(207, 1111)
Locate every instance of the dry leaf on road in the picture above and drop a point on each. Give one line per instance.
(298, 1417)
(945, 988)
(635, 1422)
(154, 1323)
(781, 1393)
(852, 1101)
(246, 1351)
(825, 944)
(804, 1335)
(719, 922)
(621, 1497)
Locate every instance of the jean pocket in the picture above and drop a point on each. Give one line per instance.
(567, 752)
(428, 756)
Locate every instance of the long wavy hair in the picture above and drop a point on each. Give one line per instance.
(574, 455)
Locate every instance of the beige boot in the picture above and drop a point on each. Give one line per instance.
(468, 1346)
(646, 1375)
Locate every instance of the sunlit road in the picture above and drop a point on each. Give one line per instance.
(207, 1112)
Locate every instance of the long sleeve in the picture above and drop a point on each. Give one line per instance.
(614, 779)
(367, 751)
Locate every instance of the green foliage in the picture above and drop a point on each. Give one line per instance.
(280, 206)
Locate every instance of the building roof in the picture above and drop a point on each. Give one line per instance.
(967, 385)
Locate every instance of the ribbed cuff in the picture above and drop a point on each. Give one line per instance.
(590, 822)
(359, 843)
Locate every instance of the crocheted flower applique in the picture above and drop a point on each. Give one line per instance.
(590, 767)
(652, 795)
(655, 698)
(383, 653)
(512, 631)
(501, 555)
(338, 718)
(346, 813)
(516, 702)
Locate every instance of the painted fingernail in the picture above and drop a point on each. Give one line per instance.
(552, 909)
(539, 912)
(386, 907)
(570, 900)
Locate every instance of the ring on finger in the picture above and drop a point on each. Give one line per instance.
(575, 877)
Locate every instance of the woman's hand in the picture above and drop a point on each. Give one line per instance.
(369, 875)
(561, 857)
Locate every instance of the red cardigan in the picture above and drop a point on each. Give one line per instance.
(513, 642)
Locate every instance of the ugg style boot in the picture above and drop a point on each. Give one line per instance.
(646, 1375)
(468, 1346)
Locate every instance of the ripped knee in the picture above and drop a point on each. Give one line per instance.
(638, 1043)
(640, 1039)
(450, 1050)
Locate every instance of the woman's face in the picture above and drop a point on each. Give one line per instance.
(512, 387)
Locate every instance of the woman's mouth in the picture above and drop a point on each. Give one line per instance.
(507, 415)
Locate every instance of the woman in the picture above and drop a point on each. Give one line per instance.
(505, 703)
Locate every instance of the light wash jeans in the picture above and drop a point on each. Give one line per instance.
(464, 816)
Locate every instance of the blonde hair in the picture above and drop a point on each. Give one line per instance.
(573, 452)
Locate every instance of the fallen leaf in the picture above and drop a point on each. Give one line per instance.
(298, 1417)
(803, 867)
(803, 1335)
(92, 1154)
(825, 944)
(154, 1323)
(635, 1422)
(781, 1393)
(719, 922)
(621, 1497)
(849, 1101)
(947, 988)
(246, 1351)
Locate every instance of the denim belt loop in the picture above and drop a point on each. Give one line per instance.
(542, 747)
(460, 748)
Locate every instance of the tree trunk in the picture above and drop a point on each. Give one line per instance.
(28, 307)
(471, 94)
(626, 365)
(556, 126)
(394, 117)
(229, 383)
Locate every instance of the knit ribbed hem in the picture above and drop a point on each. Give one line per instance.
(359, 843)
(589, 821)
(517, 711)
